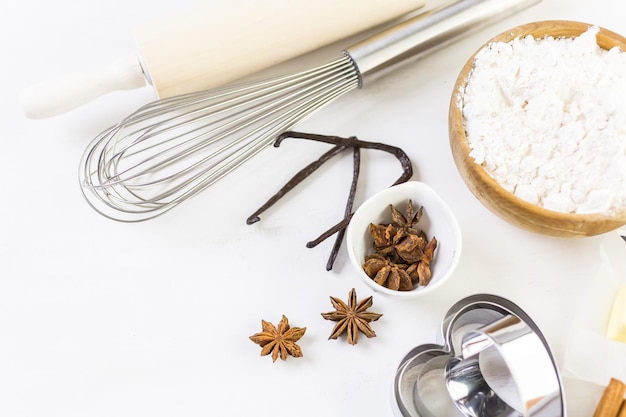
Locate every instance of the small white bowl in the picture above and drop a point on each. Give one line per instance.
(437, 220)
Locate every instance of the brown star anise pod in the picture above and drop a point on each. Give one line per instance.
(407, 222)
(423, 267)
(352, 318)
(410, 247)
(279, 341)
(403, 253)
(388, 274)
(383, 235)
(400, 241)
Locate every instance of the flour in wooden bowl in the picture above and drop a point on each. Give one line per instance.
(546, 118)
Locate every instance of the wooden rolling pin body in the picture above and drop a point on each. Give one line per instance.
(213, 43)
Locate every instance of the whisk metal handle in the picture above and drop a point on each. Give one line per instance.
(428, 32)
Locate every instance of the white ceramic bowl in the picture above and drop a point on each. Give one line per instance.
(437, 220)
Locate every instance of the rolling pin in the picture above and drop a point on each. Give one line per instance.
(212, 43)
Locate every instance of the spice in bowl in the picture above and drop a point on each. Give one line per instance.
(403, 253)
(404, 241)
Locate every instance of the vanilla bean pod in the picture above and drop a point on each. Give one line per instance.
(405, 162)
(340, 144)
(353, 142)
(334, 229)
(356, 167)
(295, 180)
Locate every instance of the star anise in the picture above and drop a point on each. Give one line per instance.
(400, 241)
(403, 254)
(383, 235)
(388, 274)
(352, 318)
(279, 341)
(410, 247)
(423, 267)
(410, 220)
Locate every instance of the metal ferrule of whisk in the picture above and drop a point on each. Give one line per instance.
(170, 150)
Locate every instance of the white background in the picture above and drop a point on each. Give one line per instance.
(100, 318)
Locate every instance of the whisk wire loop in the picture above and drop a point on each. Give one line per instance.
(170, 150)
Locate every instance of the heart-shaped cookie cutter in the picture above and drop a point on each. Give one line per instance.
(493, 361)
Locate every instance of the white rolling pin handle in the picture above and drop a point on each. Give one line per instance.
(63, 94)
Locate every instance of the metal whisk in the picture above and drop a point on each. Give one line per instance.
(169, 150)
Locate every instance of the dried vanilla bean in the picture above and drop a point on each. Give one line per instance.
(295, 180)
(353, 142)
(334, 229)
(356, 158)
(405, 162)
(339, 145)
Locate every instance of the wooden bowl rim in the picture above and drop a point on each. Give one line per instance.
(606, 39)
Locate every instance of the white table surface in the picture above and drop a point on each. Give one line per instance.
(101, 318)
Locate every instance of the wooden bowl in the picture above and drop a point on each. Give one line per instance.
(500, 201)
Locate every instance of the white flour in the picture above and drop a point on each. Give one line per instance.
(547, 120)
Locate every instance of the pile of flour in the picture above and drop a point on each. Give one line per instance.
(546, 118)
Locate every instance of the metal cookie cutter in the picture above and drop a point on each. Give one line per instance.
(493, 362)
